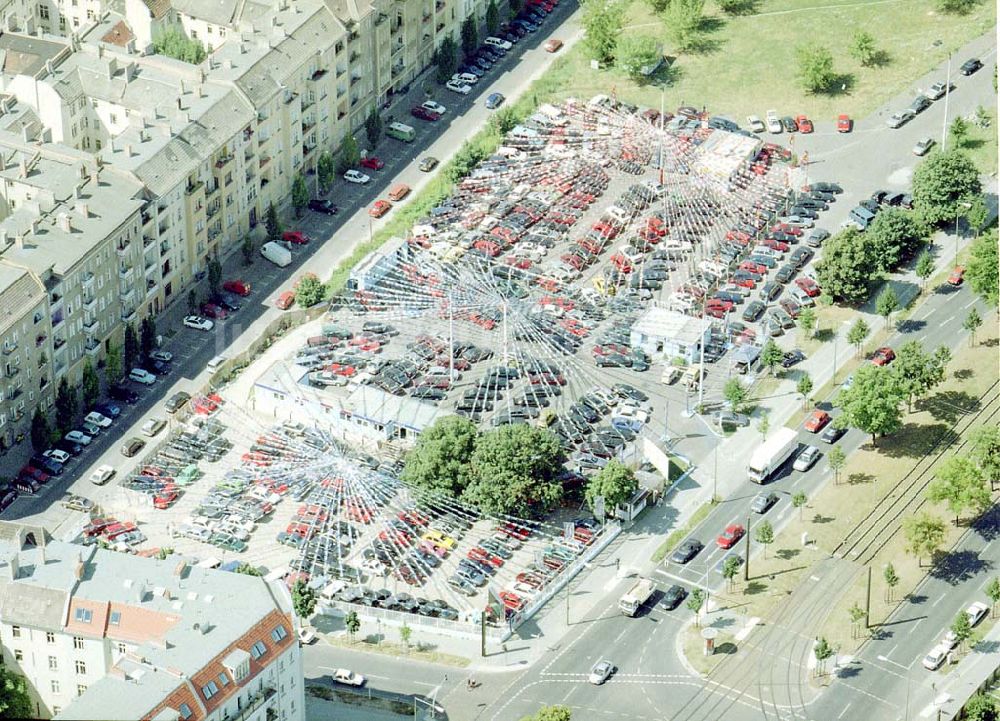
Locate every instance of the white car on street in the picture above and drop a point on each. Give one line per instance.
(102, 474)
(342, 675)
(773, 122)
(356, 176)
(142, 376)
(755, 124)
(631, 413)
(933, 660)
(151, 427)
(977, 612)
(198, 323)
(600, 672)
(78, 437)
(98, 419)
(162, 356)
(434, 107)
(467, 78)
(56, 455)
(457, 86)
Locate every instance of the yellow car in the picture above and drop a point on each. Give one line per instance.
(439, 538)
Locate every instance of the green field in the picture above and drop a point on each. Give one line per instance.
(749, 66)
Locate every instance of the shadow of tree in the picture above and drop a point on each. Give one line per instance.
(754, 588)
(724, 622)
(858, 478)
(667, 74)
(916, 599)
(964, 374)
(702, 44)
(954, 568)
(910, 325)
(820, 518)
(728, 648)
(990, 342)
(841, 84)
(848, 671)
(881, 59)
(948, 406)
(988, 524)
(787, 554)
(746, 7)
(913, 440)
(711, 24)
(824, 335)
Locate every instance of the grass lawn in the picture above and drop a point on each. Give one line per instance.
(748, 63)
(982, 144)
(693, 646)
(835, 509)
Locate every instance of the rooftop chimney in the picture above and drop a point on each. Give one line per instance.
(3, 238)
(14, 566)
(83, 209)
(128, 150)
(77, 190)
(64, 223)
(80, 567)
(26, 133)
(182, 89)
(19, 240)
(48, 67)
(24, 168)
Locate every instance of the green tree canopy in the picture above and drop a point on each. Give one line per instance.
(113, 364)
(872, 403)
(41, 431)
(981, 707)
(894, 235)
(440, 461)
(326, 168)
(771, 355)
(300, 194)
(470, 36)
(15, 700)
(815, 68)
(836, 459)
(925, 267)
(807, 321)
(309, 290)
(735, 393)
(492, 18)
(131, 351)
(847, 269)
(982, 268)
(863, 48)
(615, 483)
(248, 570)
(373, 127)
(941, 182)
(350, 154)
(272, 223)
(446, 59)
(602, 25)
(214, 275)
(67, 403)
(551, 713)
(764, 535)
(924, 535)
(147, 335)
(887, 303)
(90, 384)
(514, 471)
(917, 371)
(960, 484)
(352, 623)
(683, 19)
(173, 43)
(858, 333)
(303, 599)
(635, 52)
(986, 451)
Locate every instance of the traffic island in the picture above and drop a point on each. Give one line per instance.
(704, 654)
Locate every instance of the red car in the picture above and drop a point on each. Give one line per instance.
(424, 113)
(548, 379)
(239, 287)
(379, 208)
(957, 276)
(804, 123)
(513, 530)
(480, 554)
(816, 421)
(775, 245)
(621, 263)
(296, 237)
(786, 228)
(211, 310)
(611, 348)
(372, 163)
(511, 600)
(285, 300)
(844, 123)
(164, 500)
(519, 263)
(808, 285)
(729, 537)
(883, 356)
(529, 579)
(751, 267)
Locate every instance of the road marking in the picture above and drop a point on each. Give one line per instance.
(569, 693)
(947, 321)
(619, 637)
(969, 304)
(940, 598)
(891, 650)
(841, 714)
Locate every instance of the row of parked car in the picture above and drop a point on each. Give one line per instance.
(936, 91)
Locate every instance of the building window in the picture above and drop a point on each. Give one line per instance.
(78, 643)
(185, 711)
(18, 654)
(278, 633)
(81, 667)
(50, 637)
(209, 690)
(15, 631)
(258, 650)
(121, 647)
(83, 615)
(223, 679)
(116, 618)
(53, 663)
(43, 12)
(80, 689)
(54, 685)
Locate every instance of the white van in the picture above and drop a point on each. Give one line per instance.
(215, 363)
(619, 214)
(277, 254)
(498, 43)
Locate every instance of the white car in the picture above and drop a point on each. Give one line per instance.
(458, 87)
(807, 458)
(151, 427)
(356, 176)
(98, 419)
(342, 675)
(933, 660)
(162, 356)
(600, 672)
(434, 107)
(797, 220)
(900, 118)
(142, 376)
(307, 636)
(498, 42)
(977, 612)
(467, 78)
(102, 474)
(755, 124)
(630, 413)
(923, 146)
(198, 323)
(773, 122)
(79, 437)
(631, 254)
(56, 455)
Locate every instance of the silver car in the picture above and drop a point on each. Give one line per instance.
(600, 672)
(807, 458)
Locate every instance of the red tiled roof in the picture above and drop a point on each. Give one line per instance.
(157, 8)
(119, 35)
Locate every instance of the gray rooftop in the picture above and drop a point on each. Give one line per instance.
(26, 54)
(663, 323)
(217, 12)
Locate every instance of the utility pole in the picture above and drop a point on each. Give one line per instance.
(451, 338)
(868, 600)
(947, 92)
(746, 566)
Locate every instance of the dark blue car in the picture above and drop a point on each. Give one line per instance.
(494, 100)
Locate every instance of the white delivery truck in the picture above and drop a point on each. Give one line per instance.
(632, 601)
(277, 254)
(772, 454)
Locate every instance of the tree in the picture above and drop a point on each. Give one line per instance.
(352, 623)
(173, 43)
(113, 364)
(764, 535)
(446, 59)
(943, 181)
(977, 215)
(41, 432)
(616, 483)
(309, 290)
(326, 168)
(192, 302)
(504, 120)
(956, 7)
(807, 321)
(735, 393)
(147, 335)
(958, 131)
(857, 334)
(551, 713)
(846, 271)
(763, 426)
(514, 471)
(214, 275)
(917, 371)
(730, 567)
(405, 632)
(993, 592)
(872, 403)
(492, 18)
(891, 579)
(15, 700)
(246, 249)
(972, 323)
(981, 707)
(470, 36)
(836, 459)
(440, 462)
(982, 268)
(924, 268)
(959, 483)
(602, 25)
(771, 355)
(695, 601)
(66, 406)
(863, 48)
(986, 451)
(804, 387)
(514, 7)
(303, 599)
(373, 127)
(961, 627)
(815, 68)
(131, 352)
(300, 195)
(247, 570)
(924, 535)
(462, 163)
(822, 651)
(683, 20)
(856, 613)
(635, 52)
(799, 501)
(271, 223)
(893, 235)
(350, 154)
(90, 384)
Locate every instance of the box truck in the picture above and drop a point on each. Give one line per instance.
(772, 454)
(277, 254)
(632, 601)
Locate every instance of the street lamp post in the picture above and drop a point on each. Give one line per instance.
(947, 92)
(958, 208)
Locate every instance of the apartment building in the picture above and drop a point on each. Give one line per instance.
(100, 634)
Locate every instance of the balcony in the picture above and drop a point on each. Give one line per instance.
(9, 347)
(398, 47)
(308, 101)
(12, 371)
(212, 188)
(150, 287)
(128, 315)
(18, 413)
(426, 17)
(397, 69)
(355, 56)
(262, 697)
(89, 301)
(42, 360)
(264, 160)
(92, 347)
(123, 249)
(213, 209)
(146, 217)
(317, 75)
(87, 281)
(42, 382)
(58, 344)
(90, 323)
(193, 188)
(223, 162)
(124, 273)
(39, 340)
(439, 6)
(164, 248)
(147, 241)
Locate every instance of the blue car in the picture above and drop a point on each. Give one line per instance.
(494, 100)
(629, 424)
(111, 410)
